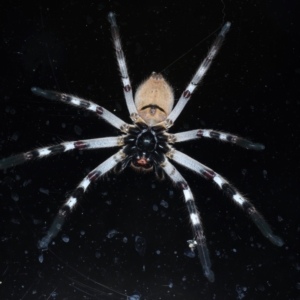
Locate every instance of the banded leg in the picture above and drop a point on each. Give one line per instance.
(123, 68)
(229, 190)
(194, 217)
(69, 205)
(217, 135)
(15, 160)
(75, 101)
(197, 77)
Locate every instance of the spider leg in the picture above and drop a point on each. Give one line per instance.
(114, 141)
(217, 135)
(75, 101)
(194, 217)
(229, 190)
(197, 77)
(69, 205)
(123, 67)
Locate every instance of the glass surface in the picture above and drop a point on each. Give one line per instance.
(128, 236)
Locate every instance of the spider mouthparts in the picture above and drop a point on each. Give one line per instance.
(142, 161)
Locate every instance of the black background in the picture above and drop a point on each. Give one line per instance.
(252, 90)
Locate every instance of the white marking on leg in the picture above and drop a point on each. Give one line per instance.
(69, 146)
(44, 151)
(71, 202)
(188, 195)
(126, 81)
(195, 219)
(206, 133)
(238, 198)
(218, 180)
(75, 101)
(85, 183)
(223, 136)
(191, 87)
(93, 107)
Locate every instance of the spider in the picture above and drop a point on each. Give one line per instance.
(147, 146)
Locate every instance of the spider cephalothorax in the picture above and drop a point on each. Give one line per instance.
(146, 146)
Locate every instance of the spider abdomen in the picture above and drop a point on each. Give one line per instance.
(154, 99)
